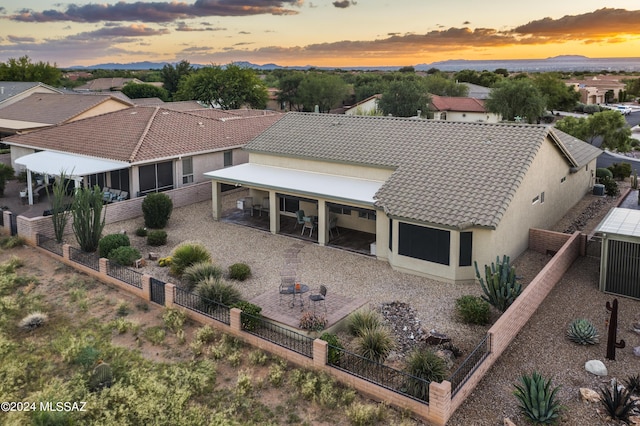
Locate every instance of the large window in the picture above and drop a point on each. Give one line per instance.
(156, 177)
(289, 204)
(97, 179)
(187, 170)
(120, 179)
(424, 243)
(228, 158)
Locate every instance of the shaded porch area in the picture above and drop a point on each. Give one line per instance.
(344, 238)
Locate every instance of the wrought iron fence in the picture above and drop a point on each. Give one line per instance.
(470, 364)
(90, 260)
(49, 244)
(380, 374)
(274, 333)
(201, 305)
(125, 274)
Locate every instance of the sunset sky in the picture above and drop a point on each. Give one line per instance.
(338, 33)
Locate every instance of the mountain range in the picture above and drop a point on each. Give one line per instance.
(557, 63)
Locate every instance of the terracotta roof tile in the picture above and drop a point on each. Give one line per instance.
(458, 104)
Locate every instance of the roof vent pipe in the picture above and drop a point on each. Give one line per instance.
(2, 90)
(316, 109)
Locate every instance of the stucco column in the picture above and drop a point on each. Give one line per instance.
(274, 213)
(323, 229)
(216, 200)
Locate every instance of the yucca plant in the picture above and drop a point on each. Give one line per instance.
(187, 254)
(197, 272)
(375, 343)
(425, 365)
(500, 283)
(617, 402)
(537, 400)
(633, 384)
(582, 331)
(214, 291)
(362, 320)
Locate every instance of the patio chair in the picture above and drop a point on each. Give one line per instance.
(319, 297)
(123, 196)
(286, 286)
(333, 225)
(299, 218)
(308, 222)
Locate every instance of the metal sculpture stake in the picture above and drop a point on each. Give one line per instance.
(613, 330)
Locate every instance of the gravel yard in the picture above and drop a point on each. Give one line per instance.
(540, 346)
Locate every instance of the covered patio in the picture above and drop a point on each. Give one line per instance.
(75, 167)
(339, 210)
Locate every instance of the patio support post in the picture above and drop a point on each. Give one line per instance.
(216, 200)
(323, 229)
(274, 216)
(29, 187)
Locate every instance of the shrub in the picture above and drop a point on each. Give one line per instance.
(363, 319)
(610, 186)
(591, 109)
(239, 271)
(633, 384)
(124, 255)
(251, 314)
(375, 343)
(334, 353)
(426, 365)
(186, 254)
(155, 334)
(537, 400)
(499, 284)
(141, 232)
(174, 319)
(214, 290)
(473, 310)
(366, 414)
(33, 321)
(582, 331)
(618, 402)
(197, 272)
(602, 172)
(156, 208)
(620, 171)
(311, 321)
(165, 261)
(157, 237)
(110, 242)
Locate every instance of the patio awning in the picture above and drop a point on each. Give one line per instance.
(621, 221)
(313, 184)
(74, 166)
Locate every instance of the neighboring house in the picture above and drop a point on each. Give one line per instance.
(477, 91)
(140, 150)
(13, 91)
(367, 106)
(461, 109)
(106, 84)
(435, 195)
(175, 106)
(593, 91)
(49, 109)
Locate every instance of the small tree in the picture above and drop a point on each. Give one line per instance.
(156, 208)
(88, 220)
(59, 208)
(6, 173)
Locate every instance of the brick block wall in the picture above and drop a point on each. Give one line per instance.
(519, 313)
(542, 241)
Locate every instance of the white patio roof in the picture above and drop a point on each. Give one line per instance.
(621, 222)
(339, 188)
(74, 166)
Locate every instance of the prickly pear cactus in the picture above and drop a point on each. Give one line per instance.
(582, 331)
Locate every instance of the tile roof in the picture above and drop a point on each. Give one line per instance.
(448, 173)
(476, 91)
(448, 103)
(106, 84)
(176, 106)
(52, 108)
(138, 135)
(9, 89)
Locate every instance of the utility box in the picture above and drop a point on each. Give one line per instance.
(598, 189)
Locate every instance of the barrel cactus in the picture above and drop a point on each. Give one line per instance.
(102, 377)
(582, 331)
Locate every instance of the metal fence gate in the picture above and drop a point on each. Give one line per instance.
(13, 222)
(157, 291)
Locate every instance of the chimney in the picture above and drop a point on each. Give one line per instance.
(316, 109)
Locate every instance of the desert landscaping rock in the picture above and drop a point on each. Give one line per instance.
(596, 367)
(589, 395)
(636, 351)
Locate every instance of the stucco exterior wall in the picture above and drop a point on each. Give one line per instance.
(350, 170)
(17, 152)
(109, 106)
(485, 117)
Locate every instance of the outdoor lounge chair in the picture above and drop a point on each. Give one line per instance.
(299, 218)
(310, 223)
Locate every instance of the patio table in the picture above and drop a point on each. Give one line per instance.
(299, 289)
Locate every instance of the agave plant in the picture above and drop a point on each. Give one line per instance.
(537, 400)
(582, 331)
(633, 384)
(618, 402)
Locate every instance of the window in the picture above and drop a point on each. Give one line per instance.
(370, 215)
(542, 197)
(187, 170)
(120, 179)
(563, 179)
(535, 199)
(466, 245)
(228, 158)
(97, 179)
(390, 234)
(424, 243)
(340, 210)
(289, 204)
(156, 177)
